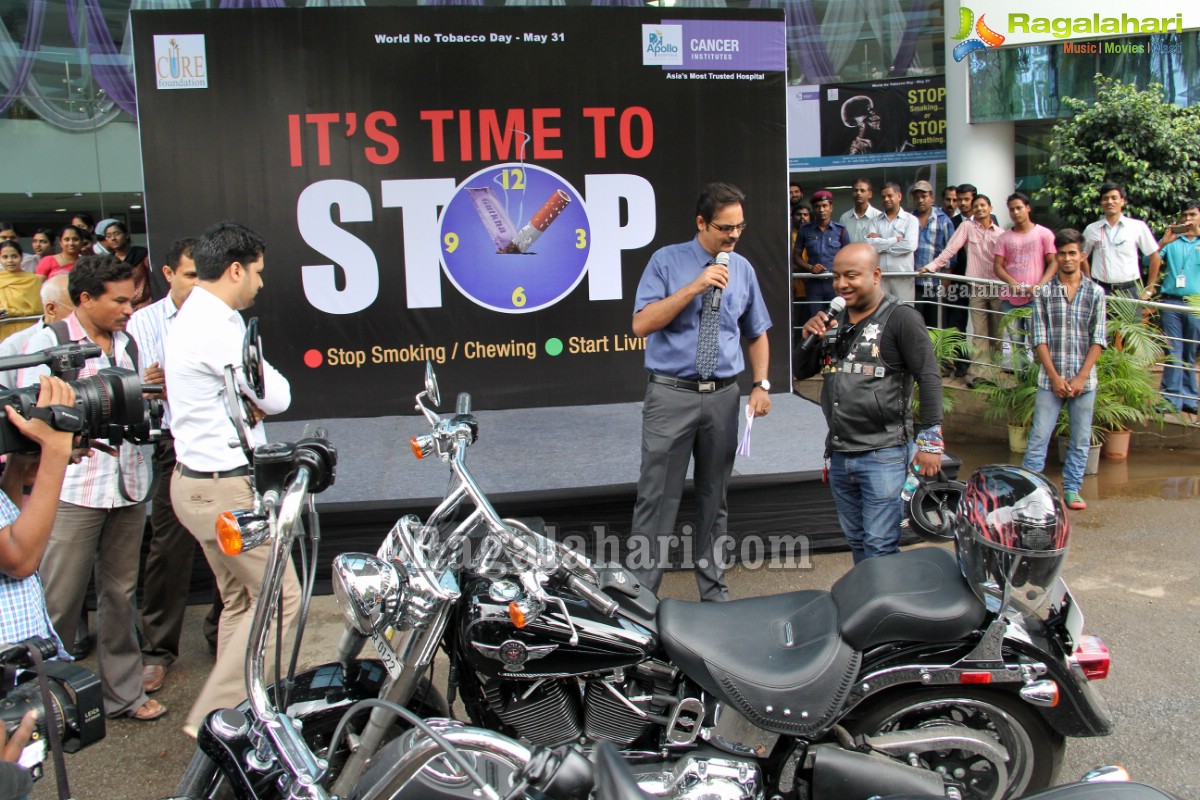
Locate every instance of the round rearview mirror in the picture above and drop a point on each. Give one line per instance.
(431, 386)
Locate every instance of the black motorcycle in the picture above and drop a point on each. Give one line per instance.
(905, 677)
(904, 674)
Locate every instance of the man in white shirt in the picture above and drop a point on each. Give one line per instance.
(101, 512)
(857, 221)
(210, 477)
(169, 560)
(1112, 245)
(893, 234)
(56, 305)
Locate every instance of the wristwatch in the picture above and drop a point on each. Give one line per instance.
(764, 384)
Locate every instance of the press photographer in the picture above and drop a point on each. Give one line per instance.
(101, 513)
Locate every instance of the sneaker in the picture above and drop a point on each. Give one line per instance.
(1074, 501)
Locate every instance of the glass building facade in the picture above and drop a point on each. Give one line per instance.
(69, 131)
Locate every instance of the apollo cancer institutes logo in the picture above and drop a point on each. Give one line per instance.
(662, 45)
(180, 61)
(984, 37)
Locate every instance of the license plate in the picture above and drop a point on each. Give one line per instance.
(1073, 621)
(386, 655)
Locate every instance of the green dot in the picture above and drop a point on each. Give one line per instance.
(553, 346)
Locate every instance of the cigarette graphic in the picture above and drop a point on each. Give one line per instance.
(540, 221)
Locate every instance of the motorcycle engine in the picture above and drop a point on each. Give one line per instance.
(555, 711)
(703, 776)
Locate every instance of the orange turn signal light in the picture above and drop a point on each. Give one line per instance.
(229, 534)
(416, 447)
(516, 614)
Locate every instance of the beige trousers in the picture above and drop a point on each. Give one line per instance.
(198, 502)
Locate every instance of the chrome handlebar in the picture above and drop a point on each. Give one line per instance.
(276, 736)
(449, 439)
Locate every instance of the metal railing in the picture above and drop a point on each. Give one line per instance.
(968, 286)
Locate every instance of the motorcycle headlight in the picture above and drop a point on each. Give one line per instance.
(368, 591)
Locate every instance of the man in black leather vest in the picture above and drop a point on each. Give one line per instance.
(869, 356)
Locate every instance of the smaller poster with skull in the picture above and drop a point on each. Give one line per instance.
(881, 122)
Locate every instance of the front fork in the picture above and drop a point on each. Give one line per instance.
(407, 650)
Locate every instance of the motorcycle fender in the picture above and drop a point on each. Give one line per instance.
(227, 758)
(1081, 711)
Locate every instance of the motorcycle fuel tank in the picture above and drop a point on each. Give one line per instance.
(495, 646)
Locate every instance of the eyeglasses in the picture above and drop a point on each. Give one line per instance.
(741, 226)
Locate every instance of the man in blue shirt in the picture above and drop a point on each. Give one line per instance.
(1181, 279)
(689, 414)
(816, 245)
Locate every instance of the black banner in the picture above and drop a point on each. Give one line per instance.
(478, 187)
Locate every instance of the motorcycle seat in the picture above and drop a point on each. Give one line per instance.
(779, 660)
(916, 596)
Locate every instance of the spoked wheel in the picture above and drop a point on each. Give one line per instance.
(1034, 750)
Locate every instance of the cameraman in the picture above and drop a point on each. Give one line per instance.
(101, 514)
(25, 533)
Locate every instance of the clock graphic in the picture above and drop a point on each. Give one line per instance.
(515, 238)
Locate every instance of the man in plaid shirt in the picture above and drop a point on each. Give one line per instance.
(1068, 335)
(101, 511)
(933, 234)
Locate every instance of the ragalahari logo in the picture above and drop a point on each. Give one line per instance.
(984, 37)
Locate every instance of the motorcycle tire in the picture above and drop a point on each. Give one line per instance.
(202, 780)
(1035, 750)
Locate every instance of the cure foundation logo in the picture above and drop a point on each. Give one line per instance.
(662, 45)
(180, 62)
(984, 36)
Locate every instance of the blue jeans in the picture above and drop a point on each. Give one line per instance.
(1179, 376)
(866, 490)
(1045, 415)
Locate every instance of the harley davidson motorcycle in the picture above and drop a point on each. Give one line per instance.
(922, 672)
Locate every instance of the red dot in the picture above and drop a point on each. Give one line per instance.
(313, 358)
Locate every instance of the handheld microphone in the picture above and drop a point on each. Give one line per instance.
(835, 308)
(723, 260)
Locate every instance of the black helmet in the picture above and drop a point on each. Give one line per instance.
(1012, 536)
(932, 510)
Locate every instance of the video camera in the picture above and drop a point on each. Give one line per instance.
(76, 699)
(108, 405)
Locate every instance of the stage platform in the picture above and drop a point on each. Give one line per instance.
(574, 467)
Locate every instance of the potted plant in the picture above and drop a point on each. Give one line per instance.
(1125, 393)
(1010, 396)
(948, 344)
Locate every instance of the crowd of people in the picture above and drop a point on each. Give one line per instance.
(77, 515)
(72, 515)
(1063, 277)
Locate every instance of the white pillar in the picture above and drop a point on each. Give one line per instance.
(983, 153)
